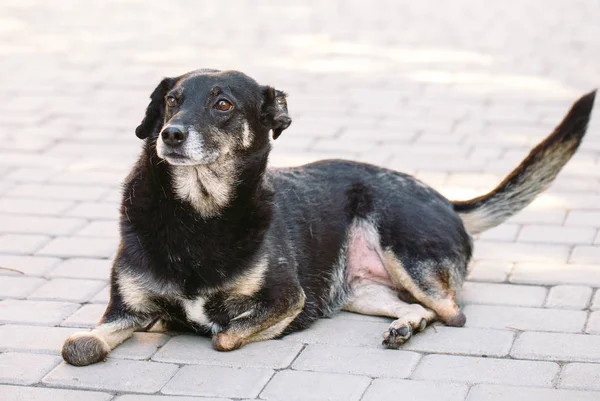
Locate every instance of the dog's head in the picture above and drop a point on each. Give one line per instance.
(206, 115)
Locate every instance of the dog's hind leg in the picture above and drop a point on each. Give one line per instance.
(380, 300)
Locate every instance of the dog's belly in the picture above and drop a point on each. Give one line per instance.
(365, 263)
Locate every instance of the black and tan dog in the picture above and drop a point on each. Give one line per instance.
(213, 241)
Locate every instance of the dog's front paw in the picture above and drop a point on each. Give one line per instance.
(84, 348)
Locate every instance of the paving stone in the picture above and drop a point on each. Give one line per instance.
(472, 370)
(292, 386)
(585, 254)
(411, 390)
(569, 297)
(593, 325)
(489, 271)
(64, 289)
(140, 346)
(102, 228)
(95, 210)
(596, 301)
(581, 376)
(102, 297)
(464, 340)
(87, 316)
(198, 350)
(35, 312)
(533, 216)
(218, 381)
(504, 232)
(28, 265)
(357, 361)
(557, 347)
(22, 224)
(492, 392)
(37, 339)
(19, 286)
(83, 268)
(501, 294)
(513, 252)
(139, 397)
(24, 369)
(33, 207)
(326, 331)
(19, 393)
(79, 247)
(553, 274)
(22, 244)
(64, 192)
(520, 318)
(583, 218)
(556, 234)
(113, 375)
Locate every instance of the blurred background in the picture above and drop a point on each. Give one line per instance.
(454, 92)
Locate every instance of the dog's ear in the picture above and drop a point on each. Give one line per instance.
(274, 113)
(155, 110)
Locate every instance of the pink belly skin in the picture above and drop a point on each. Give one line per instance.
(364, 257)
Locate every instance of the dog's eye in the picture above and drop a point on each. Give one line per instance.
(223, 105)
(171, 101)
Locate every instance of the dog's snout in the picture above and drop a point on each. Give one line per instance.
(174, 135)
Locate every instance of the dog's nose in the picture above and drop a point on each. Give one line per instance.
(174, 135)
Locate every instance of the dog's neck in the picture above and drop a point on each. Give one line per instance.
(212, 188)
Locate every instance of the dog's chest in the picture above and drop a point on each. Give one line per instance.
(196, 313)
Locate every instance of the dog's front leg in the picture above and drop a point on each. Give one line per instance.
(264, 320)
(127, 312)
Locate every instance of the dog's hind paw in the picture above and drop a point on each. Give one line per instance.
(400, 332)
(83, 349)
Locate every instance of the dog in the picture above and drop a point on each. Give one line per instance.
(214, 242)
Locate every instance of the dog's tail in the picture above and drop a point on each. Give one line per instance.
(534, 174)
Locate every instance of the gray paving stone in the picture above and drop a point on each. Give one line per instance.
(463, 340)
(293, 386)
(596, 301)
(95, 210)
(593, 324)
(79, 247)
(583, 218)
(139, 397)
(412, 390)
(24, 369)
(490, 271)
(140, 346)
(569, 297)
(504, 232)
(35, 312)
(36, 339)
(19, 286)
(472, 370)
(102, 297)
(501, 294)
(556, 234)
(64, 289)
(581, 376)
(83, 268)
(520, 318)
(22, 224)
(22, 244)
(33, 206)
(28, 265)
(357, 361)
(517, 252)
(326, 331)
(19, 393)
(218, 381)
(86, 316)
(191, 349)
(113, 375)
(64, 192)
(557, 347)
(102, 228)
(492, 392)
(555, 274)
(585, 254)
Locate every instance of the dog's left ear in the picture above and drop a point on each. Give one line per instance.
(274, 113)
(155, 110)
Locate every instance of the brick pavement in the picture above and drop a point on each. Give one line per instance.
(454, 92)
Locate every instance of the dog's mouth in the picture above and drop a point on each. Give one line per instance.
(181, 159)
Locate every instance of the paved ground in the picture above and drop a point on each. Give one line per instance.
(455, 92)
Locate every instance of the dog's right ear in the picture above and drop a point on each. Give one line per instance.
(155, 110)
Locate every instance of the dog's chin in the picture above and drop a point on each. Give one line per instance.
(176, 159)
